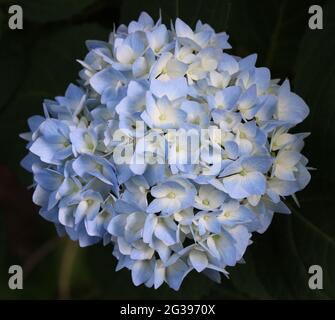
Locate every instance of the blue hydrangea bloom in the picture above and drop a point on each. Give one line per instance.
(168, 148)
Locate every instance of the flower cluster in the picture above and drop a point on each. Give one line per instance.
(109, 163)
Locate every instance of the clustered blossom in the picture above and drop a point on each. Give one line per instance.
(166, 217)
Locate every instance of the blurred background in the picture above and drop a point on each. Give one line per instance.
(39, 61)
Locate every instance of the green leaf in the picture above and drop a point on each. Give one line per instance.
(263, 27)
(278, 261)
(52, 10)
(44, 73)
(2, 23)
(315, 81)
(40, 62)
(12, 61)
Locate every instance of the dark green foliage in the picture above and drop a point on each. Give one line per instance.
(39, 62)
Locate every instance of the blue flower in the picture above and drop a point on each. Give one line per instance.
(53, 144)
(170, 149)
(171, 196)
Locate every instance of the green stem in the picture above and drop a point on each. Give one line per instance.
(312, 226)
(65, 273)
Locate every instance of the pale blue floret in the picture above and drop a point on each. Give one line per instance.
(244, 178)
(111, 85)
(171, 196)
(86, 166)
(73, 101)
(286, 99)
(134, 102)
(53, 144)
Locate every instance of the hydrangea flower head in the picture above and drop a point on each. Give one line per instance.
(168, 148)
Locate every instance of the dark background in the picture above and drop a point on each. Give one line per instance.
(39, 62)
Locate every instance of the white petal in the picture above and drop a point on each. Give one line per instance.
(176, 273)
(173, 89)
(141, 271)
(199, 260)
(164, 233)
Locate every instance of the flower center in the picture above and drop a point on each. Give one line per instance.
(171, 195)
(89, 202)
(196, 120)
(229, 120)
(243, 135)
(104, 214)
(243, 173)
(205, 202)
(162, 117)
(89, 142)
